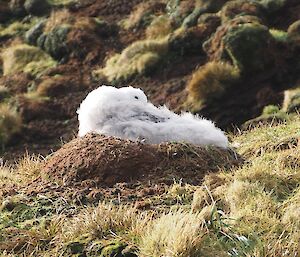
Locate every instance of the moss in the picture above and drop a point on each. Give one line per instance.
(137, 58)
(279, 35)
(10, 123)
(235, 39)
(270, 109)
(186, 13)
(54, 42)
(25, 58)
(113, 249)
(201, 7)
(32, 35)
(75, 247)
(248, 38)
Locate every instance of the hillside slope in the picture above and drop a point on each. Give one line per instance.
(225, 60)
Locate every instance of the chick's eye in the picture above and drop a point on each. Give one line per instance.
(136, 97)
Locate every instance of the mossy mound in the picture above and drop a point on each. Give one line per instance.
(54, 42)
(234, 40)
(25, 58)
(186, 13)
(109, 160)
(64, 37)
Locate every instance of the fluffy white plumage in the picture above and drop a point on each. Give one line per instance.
(126, 113)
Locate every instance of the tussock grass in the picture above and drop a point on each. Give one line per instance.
(173, 234)
(10, 123)
(137, 58)
(17, 28)
(25, 58)
(160, 27)
(27, 170)
(104, 221)
(210, 81)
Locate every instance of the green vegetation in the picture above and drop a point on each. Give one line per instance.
(210, 82)
(271, 114)
(25, 58)
(10, 123)
(279, 35)
(62, 2)
(17, 28)
(291, 101)
(247, 38)
(160, 27)
(136, 59)
(195, 54)
(251, 210)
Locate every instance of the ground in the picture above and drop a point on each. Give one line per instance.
(234, 62)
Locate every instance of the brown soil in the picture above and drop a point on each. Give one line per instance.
(96, 168)
(108, 160)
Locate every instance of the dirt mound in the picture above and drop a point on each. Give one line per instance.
(108, 160)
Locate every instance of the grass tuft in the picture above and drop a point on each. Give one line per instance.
(25, 58)
(210, 82)
(10, 123)
(136, 59)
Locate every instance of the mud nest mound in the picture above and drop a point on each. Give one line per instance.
(105, 161)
